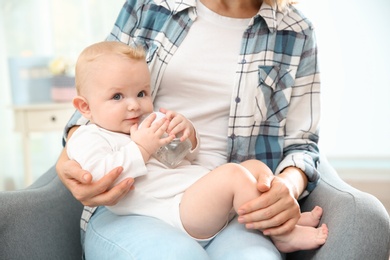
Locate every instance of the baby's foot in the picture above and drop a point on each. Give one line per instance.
(301, 238)
(312, 218)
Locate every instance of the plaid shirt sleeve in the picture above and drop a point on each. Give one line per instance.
(303, 116)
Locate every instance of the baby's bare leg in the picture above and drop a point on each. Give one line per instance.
(206, 205)
(256, 167)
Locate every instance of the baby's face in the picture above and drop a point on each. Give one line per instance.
(118, 92)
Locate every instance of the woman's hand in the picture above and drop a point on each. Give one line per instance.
(276, 211)
(89, 193)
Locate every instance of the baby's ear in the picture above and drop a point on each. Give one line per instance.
(81, 104)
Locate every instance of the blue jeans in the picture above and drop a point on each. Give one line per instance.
(110, 236)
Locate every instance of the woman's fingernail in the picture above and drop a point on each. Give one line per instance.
(85, 177)
(249, 226)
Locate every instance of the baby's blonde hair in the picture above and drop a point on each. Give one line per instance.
(94, 51)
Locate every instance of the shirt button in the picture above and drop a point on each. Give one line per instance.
(243, 61)
(238, 99)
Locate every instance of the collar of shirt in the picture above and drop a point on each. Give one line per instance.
(176, 6)
(271, 16)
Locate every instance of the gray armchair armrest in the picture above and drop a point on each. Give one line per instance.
(358, 223)
(40, 222)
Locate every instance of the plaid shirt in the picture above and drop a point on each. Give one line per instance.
(275, 106)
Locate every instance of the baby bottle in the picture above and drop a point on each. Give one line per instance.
(174, 152)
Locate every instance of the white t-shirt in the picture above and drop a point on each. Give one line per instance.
(212, 91)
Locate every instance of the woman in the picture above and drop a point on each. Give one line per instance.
(248, 65)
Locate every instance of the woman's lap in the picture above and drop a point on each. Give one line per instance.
(110, 236)
(236, 242)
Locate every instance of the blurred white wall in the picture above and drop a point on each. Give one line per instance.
(354, 40)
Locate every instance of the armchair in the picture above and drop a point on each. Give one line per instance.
(42, 221)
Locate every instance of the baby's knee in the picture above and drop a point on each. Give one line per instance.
(256, 167)
(239, 173)
(254, 164)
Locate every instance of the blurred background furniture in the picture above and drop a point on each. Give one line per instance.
(39, 118)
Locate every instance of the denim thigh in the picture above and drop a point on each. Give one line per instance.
(110, 236)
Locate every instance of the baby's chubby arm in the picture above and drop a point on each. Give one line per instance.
(88, 192)
(99, 152)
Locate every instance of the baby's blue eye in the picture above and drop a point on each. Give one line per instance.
(117, 96)
(141, 94)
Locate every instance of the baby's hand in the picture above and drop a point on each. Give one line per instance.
(178, 125)
(149, 136)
